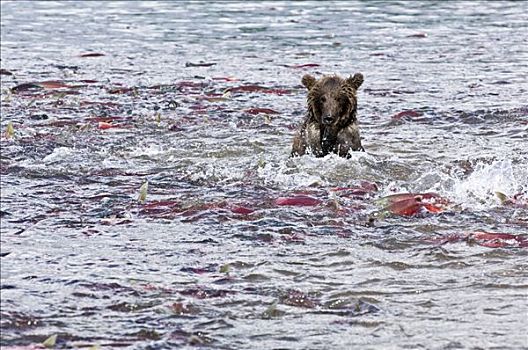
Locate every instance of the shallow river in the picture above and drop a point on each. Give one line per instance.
(201, 100)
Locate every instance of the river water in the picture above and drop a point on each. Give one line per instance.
(201, 100)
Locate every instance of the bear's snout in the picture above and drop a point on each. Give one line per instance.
(328, 119)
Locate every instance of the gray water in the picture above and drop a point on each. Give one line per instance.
(210, 259)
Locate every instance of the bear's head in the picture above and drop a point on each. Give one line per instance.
(332, 100)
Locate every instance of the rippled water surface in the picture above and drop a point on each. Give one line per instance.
(201, 101)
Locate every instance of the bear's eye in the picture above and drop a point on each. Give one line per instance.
(323, 99)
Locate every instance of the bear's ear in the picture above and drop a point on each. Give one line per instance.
(308, 81)
(355, 81)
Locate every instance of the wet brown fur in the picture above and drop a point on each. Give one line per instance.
(330, 125)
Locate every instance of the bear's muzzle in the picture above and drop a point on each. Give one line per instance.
(328, 119)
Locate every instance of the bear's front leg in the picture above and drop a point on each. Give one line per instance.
(299, 144)
(348, 140)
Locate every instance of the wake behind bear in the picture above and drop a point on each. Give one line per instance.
(330, 125)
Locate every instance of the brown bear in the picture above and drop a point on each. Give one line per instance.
(330, 126)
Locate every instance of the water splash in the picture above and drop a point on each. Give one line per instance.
(308, 171)
(478, 190)
(58, 155)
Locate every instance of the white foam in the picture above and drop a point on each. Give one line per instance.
(220, 172)
(477, 191)
(58, 154)
(309, 171)
(152, 150)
